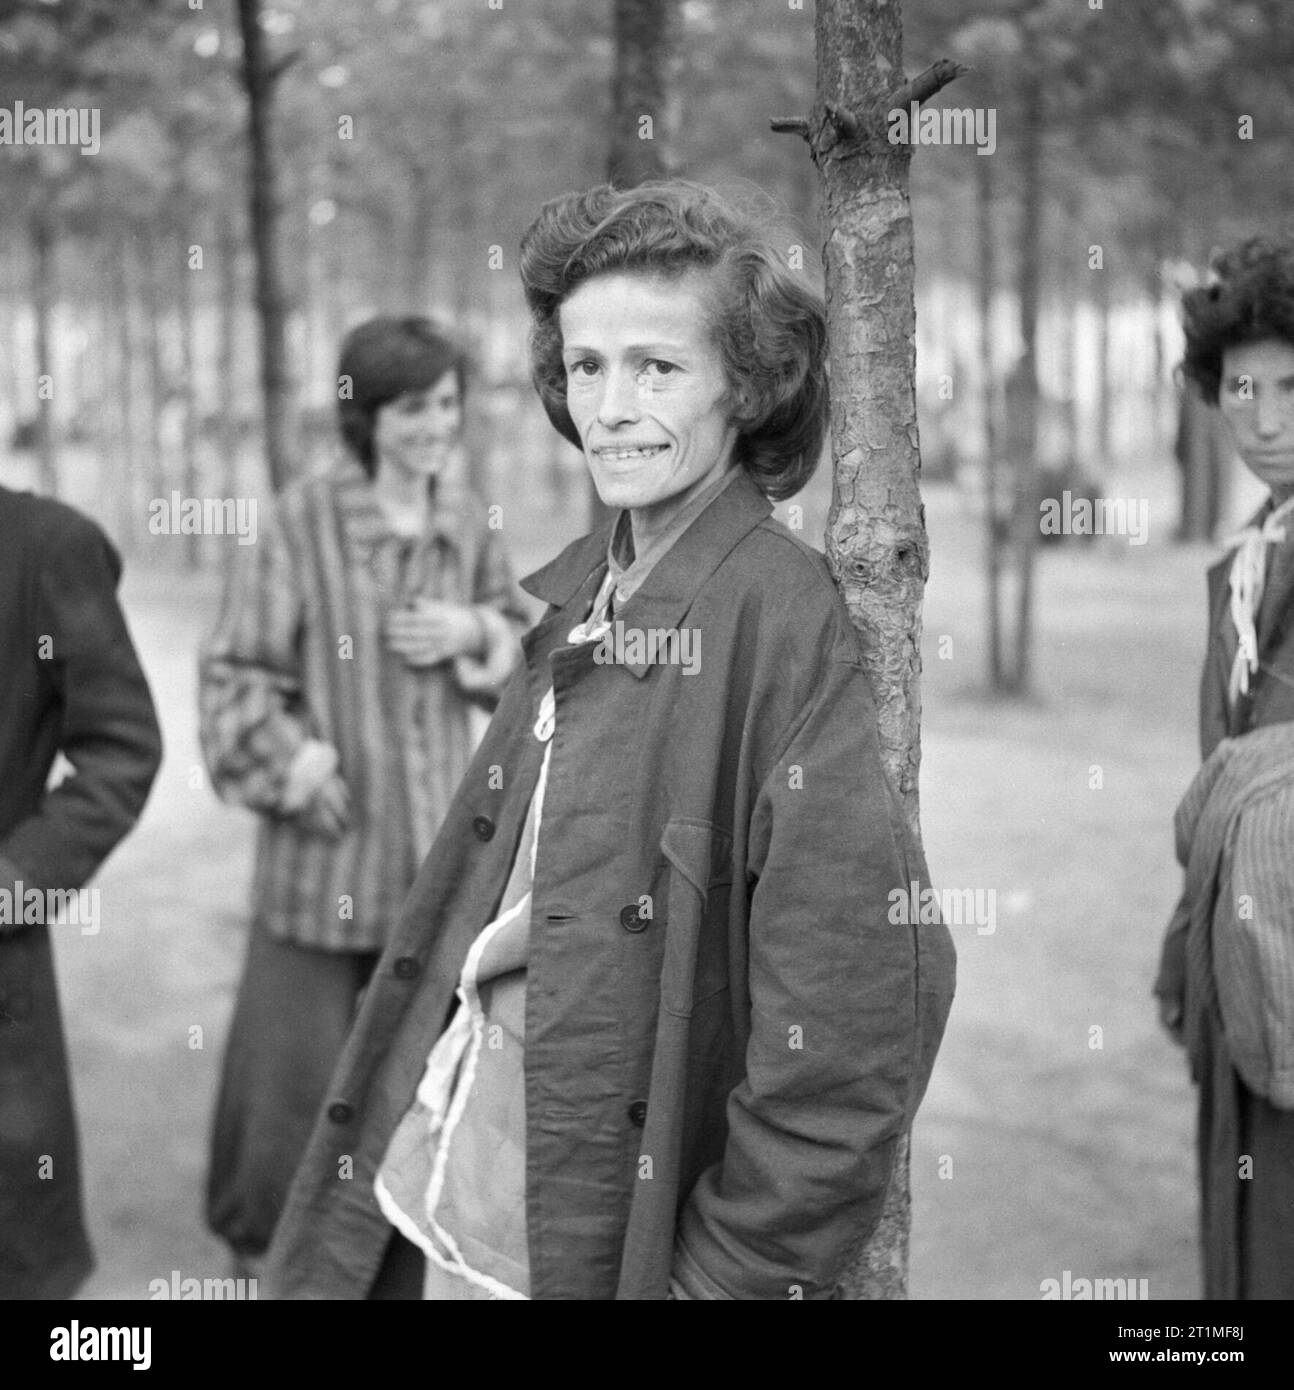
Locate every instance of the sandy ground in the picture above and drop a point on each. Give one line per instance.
(1037, 1150)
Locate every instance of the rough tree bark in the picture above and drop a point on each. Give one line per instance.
(876, 541)
(259, 79)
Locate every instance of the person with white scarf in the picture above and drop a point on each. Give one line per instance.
(1240, 354)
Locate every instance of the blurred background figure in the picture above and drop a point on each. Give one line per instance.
(1226, 982)
(374, 610)
(70, 685)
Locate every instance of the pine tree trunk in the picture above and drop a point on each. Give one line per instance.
(159, 476)
(989, 406)
(1104, 447)
(41, 231)
(16, 294)
(1068, 328)
(188, 423)
(271, 295)
(645, 34)
(132, 466)
(229, 408)
(1157, 444)
(1025, 412)
(113, 428)
(876, 542)
(425, 196)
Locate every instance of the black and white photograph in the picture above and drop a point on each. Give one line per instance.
(647, 653)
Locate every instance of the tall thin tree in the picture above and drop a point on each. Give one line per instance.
(44, 263)
(645, 36)
(260, 77)
(989, 405)
(1023, 402)
(876, 541)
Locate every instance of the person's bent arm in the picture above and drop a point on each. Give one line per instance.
(251, 708)
(108, 730)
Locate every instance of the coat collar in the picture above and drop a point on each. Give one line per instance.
(667, 592)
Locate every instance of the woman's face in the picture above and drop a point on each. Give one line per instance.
(1257, 402)
(645, 388)
(414, 434)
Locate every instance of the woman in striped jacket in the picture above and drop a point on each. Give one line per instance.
(374, 609)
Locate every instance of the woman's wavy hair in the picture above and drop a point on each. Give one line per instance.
(383, 358)
(767, 321)
(1249, 297)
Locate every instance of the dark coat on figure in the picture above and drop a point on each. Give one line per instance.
(735, 1069)
(81, 693)
(1237, 1235)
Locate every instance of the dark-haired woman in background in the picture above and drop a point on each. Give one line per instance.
(374, 609)
(689, 1032)
(1226, 980)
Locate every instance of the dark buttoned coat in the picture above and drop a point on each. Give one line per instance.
(69, 682)
(728, 1022)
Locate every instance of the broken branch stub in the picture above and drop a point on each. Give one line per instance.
(870, 120)
(790, 125)
(925, 84)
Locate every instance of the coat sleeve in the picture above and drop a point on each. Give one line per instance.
(252, 720)
(1170, 981)
(847, 1003)
(501, 607)
(109, 730)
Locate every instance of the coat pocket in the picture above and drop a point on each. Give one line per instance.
(699, 854)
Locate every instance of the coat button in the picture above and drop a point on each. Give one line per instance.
(630, 920)
(484, 828)
(340, 1113)
(406, 968)
(638, 1113)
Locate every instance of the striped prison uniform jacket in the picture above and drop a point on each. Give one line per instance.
(298, 653)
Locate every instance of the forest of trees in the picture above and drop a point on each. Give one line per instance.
(416, 138)
(412, 140)
(266, 173)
